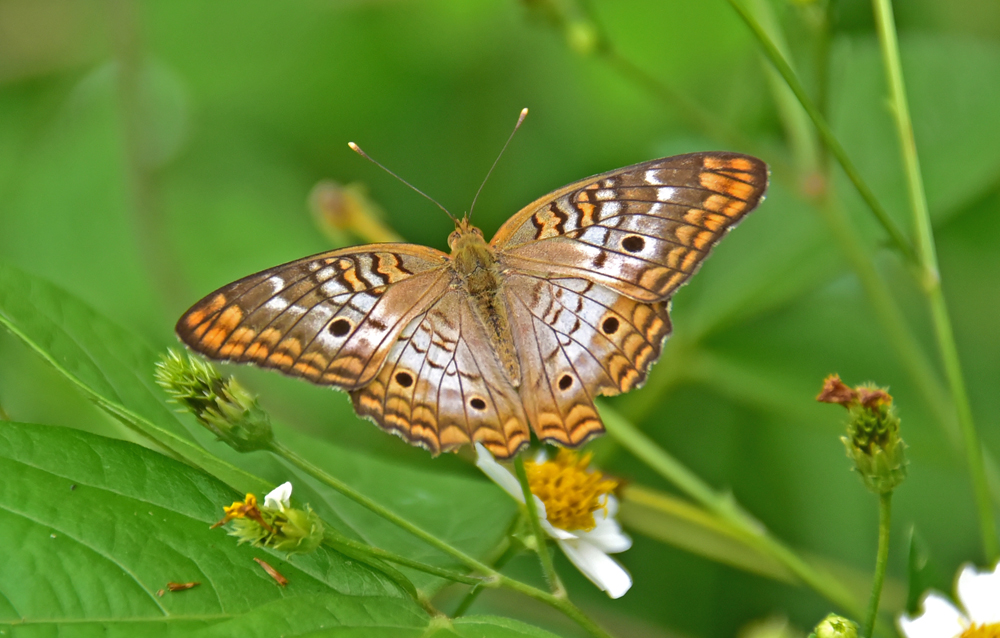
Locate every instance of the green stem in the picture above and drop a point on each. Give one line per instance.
(725, 507)
(473, 593)
(881, 560)
(341, 542)
(561, 603)
(927, 259)
(541, 540)
(774, 55)
(379, 509)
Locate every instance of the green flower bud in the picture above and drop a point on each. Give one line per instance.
(834, 626)
(221, 405)
(872, 440)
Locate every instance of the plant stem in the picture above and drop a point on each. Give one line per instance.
(473, 593)
(931, 279)
(340, 542)
(561, 603)
(774, 55)
(541, 541)
(557, 600)
(881, 560)
(379, 509)
(725, 507)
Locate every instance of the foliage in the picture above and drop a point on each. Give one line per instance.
(151, 152)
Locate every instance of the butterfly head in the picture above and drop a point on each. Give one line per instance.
(464, 235)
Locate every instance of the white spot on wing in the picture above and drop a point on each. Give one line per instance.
(665, 193)
(276, 304)
(605, 194)
(277, 283)
(652, 177)
(610, 209)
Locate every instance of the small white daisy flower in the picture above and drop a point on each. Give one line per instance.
(576, 508)
(979, 616)
(280, 498)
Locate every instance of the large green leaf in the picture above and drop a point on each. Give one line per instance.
(110, 365)
(91, 529)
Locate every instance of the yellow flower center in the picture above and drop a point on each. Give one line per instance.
(982, 631)
(571, 493)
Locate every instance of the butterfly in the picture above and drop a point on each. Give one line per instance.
(568, 301)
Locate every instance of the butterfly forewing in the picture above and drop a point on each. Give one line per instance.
(642, 230)
(329, 318)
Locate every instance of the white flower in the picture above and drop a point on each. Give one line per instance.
(979, 596)
(280, 497)
(588, 550)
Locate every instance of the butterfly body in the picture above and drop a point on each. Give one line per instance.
(476, 268)
(568, 301)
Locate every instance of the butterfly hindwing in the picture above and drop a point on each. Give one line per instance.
(578, 340)
(328, 318)
(441, 386)
(642, 230)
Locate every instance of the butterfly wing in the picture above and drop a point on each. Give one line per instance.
(642, 230)
(442, 386)
(577, 340)
(331, 318)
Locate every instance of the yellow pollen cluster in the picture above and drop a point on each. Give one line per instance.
(982, 631)
(571, 494)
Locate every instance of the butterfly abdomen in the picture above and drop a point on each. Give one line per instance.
(475, 263)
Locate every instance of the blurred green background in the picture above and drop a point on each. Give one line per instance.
(152, 151)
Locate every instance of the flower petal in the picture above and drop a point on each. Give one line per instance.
(607, 536)
(502, 477)
(279, 497)
(939, 619)
(601, 569)
(498, 473)
(979, 594)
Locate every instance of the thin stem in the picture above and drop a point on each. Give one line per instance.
(927, 255)
(477, 589)
(339, 542)
(561, 603)
(896, 235)
(381, 510)
(541, 541)
(725, 507)
(881, 560)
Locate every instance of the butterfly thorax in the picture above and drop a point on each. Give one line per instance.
(478, 273)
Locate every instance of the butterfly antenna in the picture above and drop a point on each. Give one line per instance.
(520, 119)
(357, 149)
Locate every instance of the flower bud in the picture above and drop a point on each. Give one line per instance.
(872, 440)
(834, 626)
(221, 405)
(340, 209)
(276, 524)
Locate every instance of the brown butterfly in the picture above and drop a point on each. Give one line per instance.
(567, 302)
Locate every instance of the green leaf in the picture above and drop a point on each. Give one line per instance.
(109, 364)
(471, 514)
(91, 529)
